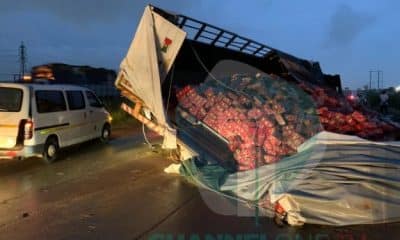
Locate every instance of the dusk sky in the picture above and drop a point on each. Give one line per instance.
(346, 37)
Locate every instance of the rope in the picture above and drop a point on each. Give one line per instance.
(145, 137)
(170, 85)
(213, 77)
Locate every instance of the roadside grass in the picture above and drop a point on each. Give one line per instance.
(120, 118)
(394, 103)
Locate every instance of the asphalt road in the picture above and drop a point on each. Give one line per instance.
(119, 191)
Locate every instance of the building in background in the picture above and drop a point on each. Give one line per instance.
(100, 80)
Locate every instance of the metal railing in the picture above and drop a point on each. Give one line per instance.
(206, 33)
(209, 34)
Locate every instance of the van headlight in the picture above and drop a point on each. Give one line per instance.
(109, 118)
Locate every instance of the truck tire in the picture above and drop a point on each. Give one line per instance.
(51, 150)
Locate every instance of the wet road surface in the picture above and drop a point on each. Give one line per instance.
(119, 191)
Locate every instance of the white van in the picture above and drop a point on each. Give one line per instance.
(38, 119)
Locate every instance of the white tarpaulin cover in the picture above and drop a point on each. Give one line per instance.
(149, 58)
(334, 179)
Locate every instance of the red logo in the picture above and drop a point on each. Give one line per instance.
(167, 43)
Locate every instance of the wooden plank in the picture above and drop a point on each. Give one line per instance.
(132, 97)
(135, 112)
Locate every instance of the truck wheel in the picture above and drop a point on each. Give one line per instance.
(105, 134)
(51, 149)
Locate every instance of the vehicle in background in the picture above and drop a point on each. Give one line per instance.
(39, 120)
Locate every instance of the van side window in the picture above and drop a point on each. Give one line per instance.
(10, 99)
(50, 101)
(75, 100)
(93, 100)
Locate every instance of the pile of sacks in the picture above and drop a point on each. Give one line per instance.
(341, 116)
(263, 118)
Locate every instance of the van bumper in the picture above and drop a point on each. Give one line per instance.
(21, 152)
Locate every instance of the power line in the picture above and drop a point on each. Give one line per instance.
(7, 50)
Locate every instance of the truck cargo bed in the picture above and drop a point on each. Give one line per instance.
(211, 147)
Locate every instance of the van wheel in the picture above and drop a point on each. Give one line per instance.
(105, 133)
(51, 149)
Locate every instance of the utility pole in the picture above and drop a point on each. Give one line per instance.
(370, 80)
(22, 59)
(379, 74)
(379, 82)
(380, 78)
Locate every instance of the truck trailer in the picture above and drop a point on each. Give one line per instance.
(171, 50)
(177, 64)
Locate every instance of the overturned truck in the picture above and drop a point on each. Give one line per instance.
(259, 125)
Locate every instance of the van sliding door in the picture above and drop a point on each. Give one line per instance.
(78, 116)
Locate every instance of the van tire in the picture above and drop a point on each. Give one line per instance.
(105, 133)
(51, 150)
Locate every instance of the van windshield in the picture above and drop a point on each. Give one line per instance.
(10, 99)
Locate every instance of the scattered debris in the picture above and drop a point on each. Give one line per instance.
(91, 228)
(173, 168)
